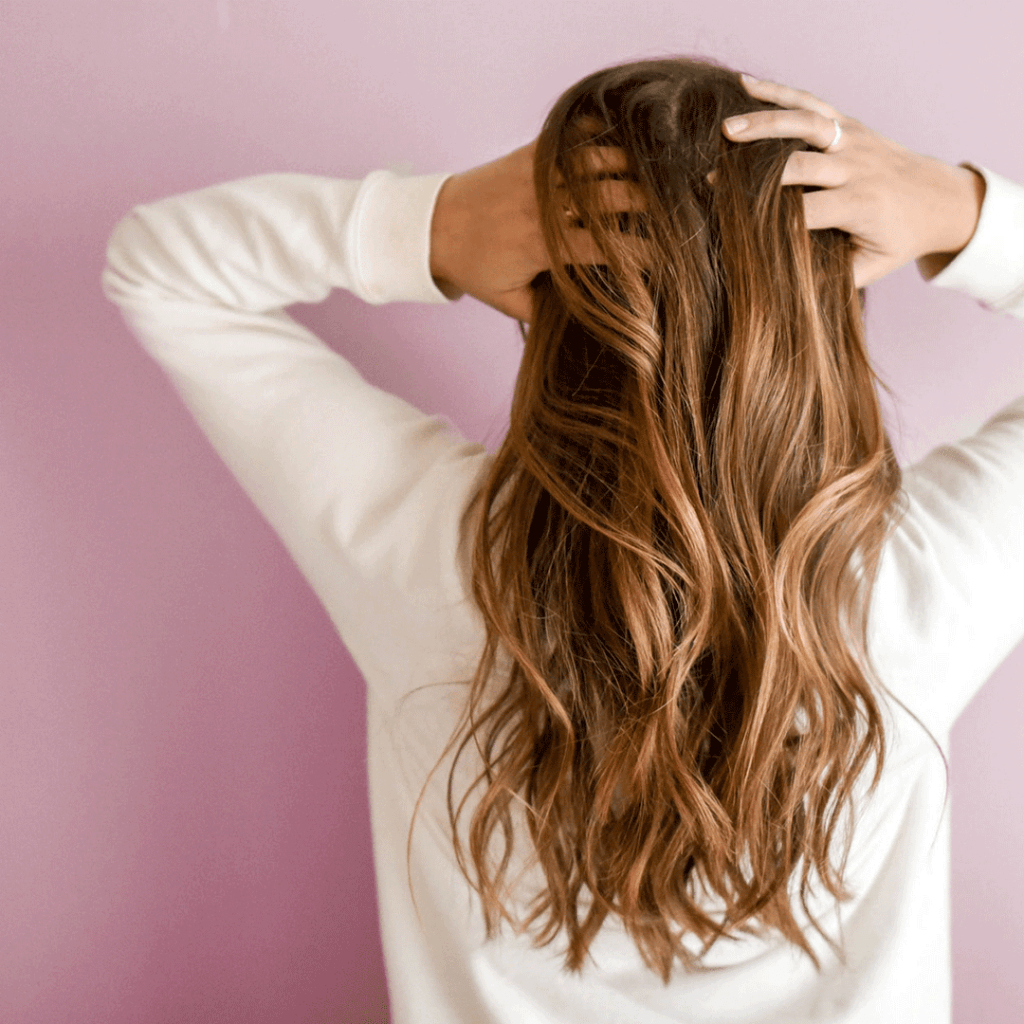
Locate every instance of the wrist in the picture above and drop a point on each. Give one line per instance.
(958, 210)
(970, 196)
(444, 241)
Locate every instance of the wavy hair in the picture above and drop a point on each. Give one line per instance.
(666, 544)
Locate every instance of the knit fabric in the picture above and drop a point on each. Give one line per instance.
(366, 492)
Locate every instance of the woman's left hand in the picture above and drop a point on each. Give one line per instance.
(486, 238)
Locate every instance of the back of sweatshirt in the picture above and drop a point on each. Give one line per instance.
(366, 493)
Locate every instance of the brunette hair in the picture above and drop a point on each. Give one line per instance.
(693, 495)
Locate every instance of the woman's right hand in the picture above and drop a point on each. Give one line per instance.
(897, 204)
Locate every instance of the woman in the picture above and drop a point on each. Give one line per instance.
(628, 676)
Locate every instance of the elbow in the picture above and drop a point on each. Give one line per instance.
(124, 275)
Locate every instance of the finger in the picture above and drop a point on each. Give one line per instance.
(827, 209)
(817, 129)
(582, 248)
(869, 267)
(805, 168)
(615, 196)
(597, 129)
(785, 96)
(595, 161)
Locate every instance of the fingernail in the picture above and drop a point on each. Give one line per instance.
(736, 125)
(749, 79)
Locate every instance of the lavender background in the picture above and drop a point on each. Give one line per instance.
(184, 831)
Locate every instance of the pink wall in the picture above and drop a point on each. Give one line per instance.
(183, 821)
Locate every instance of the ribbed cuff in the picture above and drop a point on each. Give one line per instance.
(991, 267)
(390, 239)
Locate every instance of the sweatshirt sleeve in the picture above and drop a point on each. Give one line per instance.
(362, 488)
(950, 590)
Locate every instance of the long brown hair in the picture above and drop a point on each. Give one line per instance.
(695, 463)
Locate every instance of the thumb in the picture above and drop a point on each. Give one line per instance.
(517, 304)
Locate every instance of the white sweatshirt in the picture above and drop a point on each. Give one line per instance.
(366, 492)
